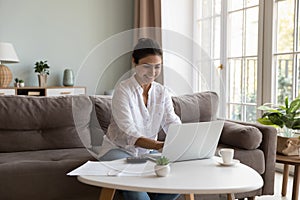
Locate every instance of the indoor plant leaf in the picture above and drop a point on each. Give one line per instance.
(267, 108)
(295, 105)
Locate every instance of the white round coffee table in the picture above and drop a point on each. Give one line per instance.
(190, 177)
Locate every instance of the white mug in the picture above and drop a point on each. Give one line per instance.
(226, 155)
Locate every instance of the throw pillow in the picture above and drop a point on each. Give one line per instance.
(241, 136)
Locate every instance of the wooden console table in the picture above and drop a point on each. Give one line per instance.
(43, 91)
(290, 160)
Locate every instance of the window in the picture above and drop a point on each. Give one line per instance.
(228, 32)
(237, 34)
(286, 49)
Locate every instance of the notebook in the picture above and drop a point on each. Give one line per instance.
(191, 141)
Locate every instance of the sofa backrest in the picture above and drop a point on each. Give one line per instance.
(197, 107)
(39, 123)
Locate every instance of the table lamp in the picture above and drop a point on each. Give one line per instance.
(7, 55)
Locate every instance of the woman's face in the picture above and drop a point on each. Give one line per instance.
(148, 69)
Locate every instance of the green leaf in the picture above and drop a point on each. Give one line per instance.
(296, 124)
(267, 108)
(265, 121)
(282, 107)
(276, 119)
(286, 102)
(295, 105)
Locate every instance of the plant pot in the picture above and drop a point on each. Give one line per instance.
(285, 132)
(42, 80)
(22, 84)
(162, 170)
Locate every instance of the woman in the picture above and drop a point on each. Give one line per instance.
(140, 107)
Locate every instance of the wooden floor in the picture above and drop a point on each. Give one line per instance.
(277, 195)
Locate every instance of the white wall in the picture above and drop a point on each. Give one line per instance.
(177, 42)
(63, 32)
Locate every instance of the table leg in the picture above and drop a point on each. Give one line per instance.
(285, 179)
(230, 196)
(107, 194)
(189, 197)
(296, 183)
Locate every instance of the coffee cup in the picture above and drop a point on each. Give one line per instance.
(227, 155)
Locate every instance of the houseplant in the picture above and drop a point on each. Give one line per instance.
(42, 68)
(16, 84)
(162, 167)
(286, 117)
(19, 83)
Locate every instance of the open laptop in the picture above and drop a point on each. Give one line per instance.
(191, 141)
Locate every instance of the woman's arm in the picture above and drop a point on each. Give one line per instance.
(149, 143)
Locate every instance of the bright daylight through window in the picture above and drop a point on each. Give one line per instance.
(232, 33)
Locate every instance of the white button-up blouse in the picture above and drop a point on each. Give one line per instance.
(131, 119)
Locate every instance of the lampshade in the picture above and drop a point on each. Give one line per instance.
(7, 55)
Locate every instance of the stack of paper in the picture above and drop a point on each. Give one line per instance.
(113, 168)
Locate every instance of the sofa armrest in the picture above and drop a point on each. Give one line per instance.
(268, 147)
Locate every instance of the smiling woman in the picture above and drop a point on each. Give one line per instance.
(140, 107)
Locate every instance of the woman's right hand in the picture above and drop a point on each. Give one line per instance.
(148, 143)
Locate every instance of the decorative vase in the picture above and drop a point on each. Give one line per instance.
(68, 79)
(162, 170)
(42, 80)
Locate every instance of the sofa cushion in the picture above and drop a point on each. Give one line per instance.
(238, 135)
(196, 107)
(102, 105)
(37, 123)
(42, 175)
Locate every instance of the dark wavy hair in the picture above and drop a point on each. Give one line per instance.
(144, 48)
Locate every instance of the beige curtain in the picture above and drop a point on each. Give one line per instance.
(147, 21)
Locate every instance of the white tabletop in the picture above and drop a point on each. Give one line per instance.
(198, 176)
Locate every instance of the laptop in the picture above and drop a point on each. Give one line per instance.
(190, 141)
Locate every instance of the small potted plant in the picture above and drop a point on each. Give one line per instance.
(162, 167)
(285, 117)
(16, 84)
(21, 83)
(42, 68)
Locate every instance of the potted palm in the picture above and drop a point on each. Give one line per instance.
(285, 117)
(42, 68)
(162, 167)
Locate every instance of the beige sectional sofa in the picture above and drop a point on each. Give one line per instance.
(43, 138)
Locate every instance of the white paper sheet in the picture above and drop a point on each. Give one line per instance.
(112, 168)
